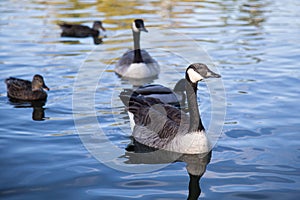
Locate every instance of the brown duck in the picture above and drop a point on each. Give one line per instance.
(26, 90)
(81, 31)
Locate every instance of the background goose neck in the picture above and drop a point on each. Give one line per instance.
(195, 119)
(137, 49)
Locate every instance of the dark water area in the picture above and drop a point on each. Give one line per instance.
(253, 44)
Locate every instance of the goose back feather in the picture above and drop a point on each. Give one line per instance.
(166, 95)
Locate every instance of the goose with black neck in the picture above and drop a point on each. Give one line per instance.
(163, 126)
(137, 63)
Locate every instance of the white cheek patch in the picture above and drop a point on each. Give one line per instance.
(194, 76)
(134, 28)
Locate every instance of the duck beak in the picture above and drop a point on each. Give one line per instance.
(103, 29)
(45, 87)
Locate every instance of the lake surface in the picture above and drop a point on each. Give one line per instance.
(73, 147)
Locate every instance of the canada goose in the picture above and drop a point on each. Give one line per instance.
(26, 90)
(166, 127)
(137, 63)
(80, 31)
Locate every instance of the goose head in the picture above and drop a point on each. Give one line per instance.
(98, 25)
(138, 26)
(198, 71)
(38, 83)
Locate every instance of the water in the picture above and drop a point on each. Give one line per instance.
(255, 46)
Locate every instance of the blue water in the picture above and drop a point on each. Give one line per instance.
(255, 46)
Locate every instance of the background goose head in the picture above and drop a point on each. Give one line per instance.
(38, 83)
(98, 25)
(138, 26)
(198, 71)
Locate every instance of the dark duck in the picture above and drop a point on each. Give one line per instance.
(26, 90)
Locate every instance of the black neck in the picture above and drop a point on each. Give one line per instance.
(195, 119)
(137, 49)
(194, 187)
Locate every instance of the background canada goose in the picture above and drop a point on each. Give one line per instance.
(26, 90)
(81, 31)
(163, 126)
(137, 63)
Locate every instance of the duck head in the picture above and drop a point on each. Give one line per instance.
(98, 25)
(38, 83)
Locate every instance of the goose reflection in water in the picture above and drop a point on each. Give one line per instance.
(195, 163)
(38, 112)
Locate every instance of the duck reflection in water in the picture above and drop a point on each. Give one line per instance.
(38, 112)
(195, 163)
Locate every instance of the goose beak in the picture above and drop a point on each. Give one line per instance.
(211, 74)
(143, 29)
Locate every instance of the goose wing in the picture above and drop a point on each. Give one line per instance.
(164, 94)
(146, 57)
(153, 89)
(156, 123)
(127, 58)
